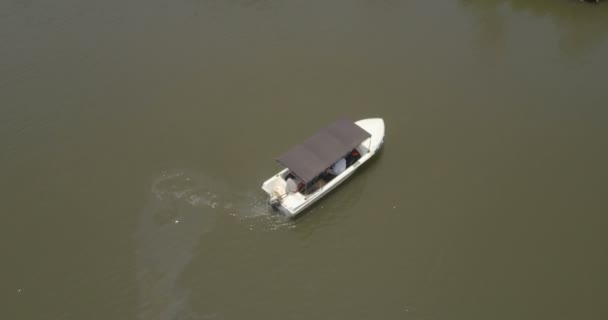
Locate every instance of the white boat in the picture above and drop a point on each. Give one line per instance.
(322, 162)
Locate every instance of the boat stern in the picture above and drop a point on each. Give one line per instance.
(279, 198)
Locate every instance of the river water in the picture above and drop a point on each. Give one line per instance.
(136, 135)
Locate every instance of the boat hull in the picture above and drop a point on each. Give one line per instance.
(293, 204)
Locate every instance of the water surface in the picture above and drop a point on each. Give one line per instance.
(136, 136)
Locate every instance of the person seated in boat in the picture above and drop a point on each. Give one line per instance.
(338, 167)
(352, 157)
(293, 185)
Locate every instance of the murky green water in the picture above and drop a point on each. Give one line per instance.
(136, 136)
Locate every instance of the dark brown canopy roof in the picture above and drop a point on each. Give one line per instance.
(308, 159)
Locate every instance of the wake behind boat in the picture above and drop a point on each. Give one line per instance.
(322, 162)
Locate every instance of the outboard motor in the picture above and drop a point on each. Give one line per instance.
(274, 202)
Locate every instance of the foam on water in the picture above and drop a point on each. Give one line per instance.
(182, 207)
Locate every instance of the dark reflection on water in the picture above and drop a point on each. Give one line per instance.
(580, 25)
